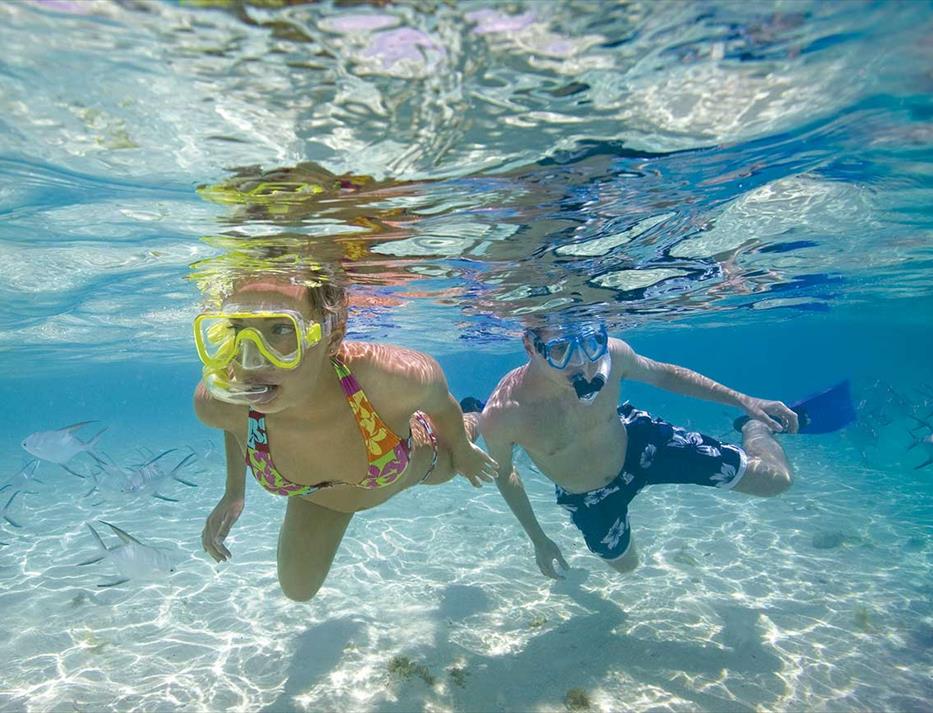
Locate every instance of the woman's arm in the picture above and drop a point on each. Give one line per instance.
(231, 504)
(426, 390)
(444, 411)
(216, 414)
(413, 381)
(236, 467)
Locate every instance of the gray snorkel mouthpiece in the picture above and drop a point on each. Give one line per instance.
(587, 388)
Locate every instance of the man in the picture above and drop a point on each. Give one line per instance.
(560, 408)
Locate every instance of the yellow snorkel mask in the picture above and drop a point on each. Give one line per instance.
(251, 339)
(255, 339)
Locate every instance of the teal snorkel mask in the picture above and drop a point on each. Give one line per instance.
(571, 349)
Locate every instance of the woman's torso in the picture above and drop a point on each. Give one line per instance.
(329, 446)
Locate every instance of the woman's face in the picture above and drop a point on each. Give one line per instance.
(286, 387)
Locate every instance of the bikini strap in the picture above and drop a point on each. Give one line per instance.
(377, 436)
(348, 382)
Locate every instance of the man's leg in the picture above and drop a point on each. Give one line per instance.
(659, 452)
(627, 562)
(601, 516)
(767, 472)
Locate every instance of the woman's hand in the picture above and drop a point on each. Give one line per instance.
(218, 525)
(776, 415)
(475, 464)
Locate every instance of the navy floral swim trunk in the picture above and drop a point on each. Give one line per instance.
(657, 453)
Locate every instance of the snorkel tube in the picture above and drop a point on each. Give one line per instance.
(587, 389)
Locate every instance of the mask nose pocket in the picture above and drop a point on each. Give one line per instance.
(250, 356)
(576, 356)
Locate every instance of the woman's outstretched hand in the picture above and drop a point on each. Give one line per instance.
(218, 525)
(476, 465)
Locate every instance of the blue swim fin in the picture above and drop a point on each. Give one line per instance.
(825, 412)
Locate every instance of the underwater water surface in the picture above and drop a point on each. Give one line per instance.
(742, 189)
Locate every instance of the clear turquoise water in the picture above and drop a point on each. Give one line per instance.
(741, 190)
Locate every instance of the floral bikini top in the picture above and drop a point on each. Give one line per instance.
(388, 454)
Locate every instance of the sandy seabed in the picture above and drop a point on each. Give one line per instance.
(818, 599)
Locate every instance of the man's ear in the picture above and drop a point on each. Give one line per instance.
(528, 342)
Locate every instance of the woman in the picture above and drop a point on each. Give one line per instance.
(350, 424)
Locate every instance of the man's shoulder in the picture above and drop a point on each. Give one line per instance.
(620, 346)
(508, 405)
(623, 356)
(505, 396)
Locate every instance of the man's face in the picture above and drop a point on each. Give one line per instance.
(571, 347)
(576, 355)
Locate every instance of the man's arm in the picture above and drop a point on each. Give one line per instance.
(513, 491)
(681, 380)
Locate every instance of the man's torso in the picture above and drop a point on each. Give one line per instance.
(578, 446)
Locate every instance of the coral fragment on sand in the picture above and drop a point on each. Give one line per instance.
(577, 700)
(458, 675)
(404, 668)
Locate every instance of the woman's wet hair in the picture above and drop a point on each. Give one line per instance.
(330, 300)
(325, 295)
(255, 262)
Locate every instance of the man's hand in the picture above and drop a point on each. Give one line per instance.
(774, 414)
(475, 465)
(546, 552)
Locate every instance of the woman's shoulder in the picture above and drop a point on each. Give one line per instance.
(389, 361)
(388, 372)
(215, 413)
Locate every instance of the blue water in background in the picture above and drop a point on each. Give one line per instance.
(744, 191)
(790, 360)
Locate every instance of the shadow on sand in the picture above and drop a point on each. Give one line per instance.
(578, 653)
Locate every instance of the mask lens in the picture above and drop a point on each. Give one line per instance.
(278, 335)
(275, 337)
(253, 339)
(558, 352)
(249, 356)
(214, 337)
(594, 345)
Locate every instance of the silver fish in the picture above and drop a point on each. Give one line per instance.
(60, 446)
(147, 477)
(927, 444)
(17, 484)
(143, 479)
(132, 558)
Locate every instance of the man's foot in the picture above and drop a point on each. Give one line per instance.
(802, 420)
(471, 404)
